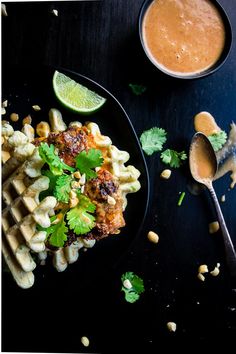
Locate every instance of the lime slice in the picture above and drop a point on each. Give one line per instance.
(76, 96)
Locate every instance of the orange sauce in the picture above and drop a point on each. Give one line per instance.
(183, 36)
(201, 161)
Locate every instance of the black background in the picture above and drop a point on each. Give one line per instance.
(99, 39)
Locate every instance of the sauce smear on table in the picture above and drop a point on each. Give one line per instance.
(183, 36)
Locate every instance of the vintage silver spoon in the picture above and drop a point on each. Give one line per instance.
(203, 167)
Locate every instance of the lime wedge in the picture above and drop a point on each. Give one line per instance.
(76, 96)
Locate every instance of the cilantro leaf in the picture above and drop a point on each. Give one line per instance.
(48, 155)
(137, 89)
(218, 140)
(52, 184)
(56, 233)
(153, 139)
(86, 161)
(80, 219)
(63, 188)
(137, 286)
(173, 158)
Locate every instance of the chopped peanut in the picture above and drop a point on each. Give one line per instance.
(14, 117)
(36, 108)
(85, 341)
(223, 198)
(3, 111)
(111, 200)
(127, 284)
(5, 104)
(171, 326)
(203, 269)
(201, 277)
(214, 227)
(77, 175)
(27, 120)
(215, 272)
(43, 129)
(166, 174)
(153, 237)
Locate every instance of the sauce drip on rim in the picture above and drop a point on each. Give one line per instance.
(183, 36)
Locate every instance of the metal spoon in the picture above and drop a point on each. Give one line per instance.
(203, 167)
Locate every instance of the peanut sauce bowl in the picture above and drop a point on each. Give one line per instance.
(185, 39)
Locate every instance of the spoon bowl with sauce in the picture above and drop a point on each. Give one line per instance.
(203, 167)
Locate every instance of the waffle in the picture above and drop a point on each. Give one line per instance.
(20, 214)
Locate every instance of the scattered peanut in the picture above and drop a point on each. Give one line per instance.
(3, 111)
(43, 129)
(214, 227)
(36, 108)
(201, 277)
(171, 326)
(14, 117)
(55, 12)
(165, 174)
(203, 269)
(127, 284)
(4, 10)
(215, 272)
(73, 199)
(82, 179)
(5, 156)
(85, 341)
(5, 104)
(223, 198)
(27, 120)
(77, 175)
(153, 237)
(111, 200)
(2, 140)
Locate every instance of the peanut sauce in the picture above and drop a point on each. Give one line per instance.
(183, 36)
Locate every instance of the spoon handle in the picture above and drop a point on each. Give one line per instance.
(229, 247)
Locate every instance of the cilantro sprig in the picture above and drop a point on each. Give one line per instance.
(56, 165)
(135, 288)
(152, 140)
(137, 89)
(62, 188)
(80, 218)
(87, 161)
(56, 233)
(218, 140)
(173, 158)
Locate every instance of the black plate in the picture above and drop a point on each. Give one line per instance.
(61, 307)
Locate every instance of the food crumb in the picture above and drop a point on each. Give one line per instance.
(3, 111)
(127, 284)
(5, 104)
(27, 120)
(152, 237)
(85, 341)
(203, 269)
(4, 10)
(14, 117)
(165, 174)
(223, 198)
(171, 326)
(36, 108)
(55, 12)
(201, 277)
(214, 227)
(216, 270)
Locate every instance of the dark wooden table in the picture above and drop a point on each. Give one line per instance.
(99, 39)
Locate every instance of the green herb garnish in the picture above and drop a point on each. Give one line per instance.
(218, 140)
(56, 233)
(137, 89)
(63, 188)
(136, 287)
(173, 158)
(48, 155)
(87, 161)
(80, 218)
(181, 198)
(152, 140)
